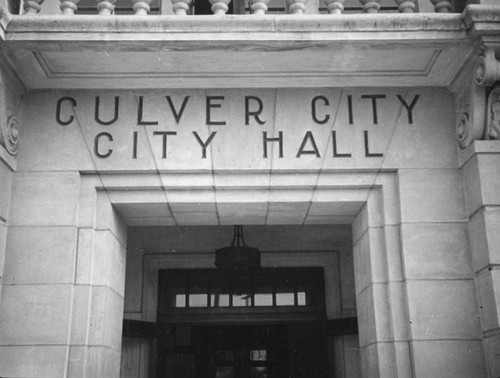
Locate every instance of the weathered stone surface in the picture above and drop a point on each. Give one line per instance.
(35, 314)
(443, 309)
(457, 358)
(40, 255)
(45, 199)
(434, 250)
(33, 361)
(431, 195)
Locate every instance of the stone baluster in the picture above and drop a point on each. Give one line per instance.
(296, 6)
(141, 7)
(335, 6)
(32, 7)
(442, 6)
(406, 6)
(258, 7)
(370, 6)
(69, 7)
(105, 7)
(181, 7)
(220, 7)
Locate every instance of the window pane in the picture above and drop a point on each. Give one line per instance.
(176, 291)
(220, 289)
(301, 298)
(198, 295)
(285, 288)
(263, 290)
(258, 355)
(242, 296)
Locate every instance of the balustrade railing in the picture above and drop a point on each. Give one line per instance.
(254, 7)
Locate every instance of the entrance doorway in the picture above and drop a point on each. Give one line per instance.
(270, 324)
(243, 351)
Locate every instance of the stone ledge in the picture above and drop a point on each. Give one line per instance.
(81, 27)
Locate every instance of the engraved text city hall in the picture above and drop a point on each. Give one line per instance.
(214, 113)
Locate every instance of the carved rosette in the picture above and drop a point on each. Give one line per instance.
(487, 68)
(9, 135)
(463, 130)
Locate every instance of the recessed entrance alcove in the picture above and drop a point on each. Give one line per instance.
(347, 224)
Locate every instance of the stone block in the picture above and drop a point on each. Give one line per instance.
(102, 362)
(370, 361)
(484, 237)
(443, 309)
(87, 200)
(397, 300)
(84, 255)
(45, 199)
(375, 208)
(360, 224)
(286, 217)
(108, 219)
(389, 198)
(333, 219)
(435, 250)
(489, 169)
(33, 361)
(389, 359)
(472, 185)
(80, 314)
(3, 240)
(432, 127)
(35, 314)
(196, 219)
(488, 288)
(370, 260)
(449, 359)
(479, 246)
(77, 361)
(147, 222)
(492, 353)
(50, 147)
(40, 255)
(106, 315)
(393, 253)
(5, 189)
(431, 195)
(374, 317)
(108, 262)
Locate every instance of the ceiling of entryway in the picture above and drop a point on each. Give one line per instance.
(190, 214)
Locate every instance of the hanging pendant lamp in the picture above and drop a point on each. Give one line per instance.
(237, 257)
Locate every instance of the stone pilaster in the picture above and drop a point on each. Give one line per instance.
(479, 140)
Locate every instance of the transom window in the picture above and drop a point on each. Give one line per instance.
(206, 291)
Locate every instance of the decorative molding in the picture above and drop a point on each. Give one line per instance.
(9, 123)
(470, 105)
(493, 114)
(488, 67)
(478, 98)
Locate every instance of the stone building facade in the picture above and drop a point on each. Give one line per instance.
(356, 142)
